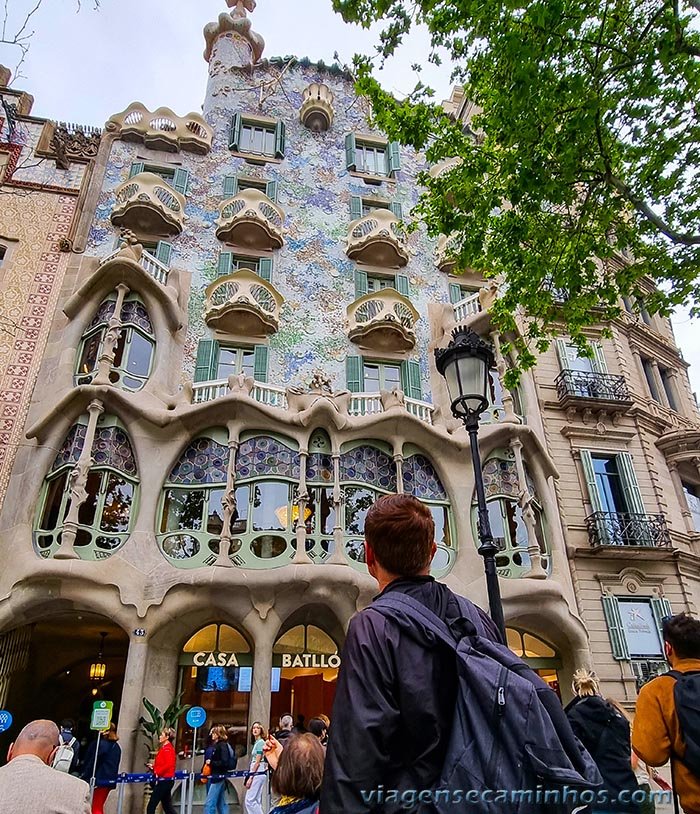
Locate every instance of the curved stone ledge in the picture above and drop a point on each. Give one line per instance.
(162, 129)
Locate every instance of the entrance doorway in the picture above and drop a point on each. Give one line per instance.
(537, 654)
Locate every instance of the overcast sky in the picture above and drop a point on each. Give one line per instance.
(85, 67)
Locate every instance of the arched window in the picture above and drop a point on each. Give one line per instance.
(104, 518)
(537, 654)
(510, 533)
(320, 512)
(495, 410)
(133, 353)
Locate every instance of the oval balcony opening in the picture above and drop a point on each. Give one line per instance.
(243, 304)
(251, 220)
(146, 204)
(376, 239)
(316, 111)
(383, 321)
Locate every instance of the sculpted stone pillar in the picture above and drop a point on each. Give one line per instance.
(229, 505)
(533, 548)
(111, 339)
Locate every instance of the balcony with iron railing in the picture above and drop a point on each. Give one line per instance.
(147, 204)
(377, 240)
(251, 220)
(383, 321)
(162, 129)
(627, 529)
(243, 303)
(647, 669)
(588, 389)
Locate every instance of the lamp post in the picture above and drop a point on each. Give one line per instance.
(465, 363)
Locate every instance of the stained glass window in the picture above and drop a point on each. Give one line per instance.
(421, 480)
(204, 461)
(370, 465)
(264, 456)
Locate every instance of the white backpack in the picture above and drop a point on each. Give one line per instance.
(63, 758)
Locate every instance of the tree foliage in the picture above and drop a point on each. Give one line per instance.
(585, 145)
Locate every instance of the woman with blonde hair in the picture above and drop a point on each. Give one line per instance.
(605, 733)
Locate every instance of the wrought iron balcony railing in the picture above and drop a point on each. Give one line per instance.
(627, 529)
(580, 384)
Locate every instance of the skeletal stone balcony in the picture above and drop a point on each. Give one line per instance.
(627, 529)
(162, 129)
(445, 254)
(251, 220)
(244, 304)
(146, 204)
(444, 166)
(579, 389)
(383, 321)
(376, 239)
(316, 111)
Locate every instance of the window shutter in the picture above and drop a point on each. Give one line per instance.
(410, 380)
(355, 207)
(234, 131)
(599, 363)
(455, 293)
(397, 209)
(393, 154)
(230, 186)
(353, 374)
(280, 139)
(613, 619)
(181, 180)
(350, 149)
(589, 474)
(260, 363)
(207, 357)
(661, 608)
(401, 284)
(271, 191)
(225, 264)
(361, 287)
(164, 251)
(265, 268)
(630, 487)
(563, 354)
(136, 168)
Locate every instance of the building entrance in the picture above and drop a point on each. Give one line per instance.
(537, 654)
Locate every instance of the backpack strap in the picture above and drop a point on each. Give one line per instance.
(417, 611)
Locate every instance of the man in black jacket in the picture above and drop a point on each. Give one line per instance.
(396, 691)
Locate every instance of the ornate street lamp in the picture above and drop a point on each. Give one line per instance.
(466, 363)
(98, 668)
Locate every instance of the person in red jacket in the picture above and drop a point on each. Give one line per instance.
(163, 767)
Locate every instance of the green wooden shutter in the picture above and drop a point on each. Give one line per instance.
(355, 207)
(353, 374)
(271, 190)
(164, 251)
(207, 360)
(661, 608)
(136, 168)
(225, 264)
(234, 131)
(350, 150)
(265, 268)
(260, 363)
(230, 186)
(599, 363)
(563, 354)
(410, 379)
(397, 209)
(630, 487)
(613, 619)
(361, 287)
(393, 156)
(401, 284)
(589, 474)
(280, 140)
(181, 180)
(455, 293)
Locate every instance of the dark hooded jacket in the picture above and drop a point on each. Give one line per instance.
(394, 703)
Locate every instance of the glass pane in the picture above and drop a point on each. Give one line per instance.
(181, 546)
(693, 501)
(269, 142)
(91, 350)
(119, 349)
(215, 512)
(392, 377)
(496, 521)
(140, 352)
(117, 505)
(86, 513)
(52, 504)
(268, 546)
(607, 480)
(239, 518)
(442, 527)
(371, 378)
(317, 641)
(325, 520)
(271, 507)
(257, 146)
(246, 137)
(182, 509)
(246, 262)
(514, 641)
(516, 526)
(204, 639)
(536, 648)
(231, 641)
(228, 358)
(248, 362)
(358, 503)
(290, 642)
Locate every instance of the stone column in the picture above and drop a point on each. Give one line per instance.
(229, 504)
(111, 338)
(338, 557)
(509, 414)
(130, 707)
(264, 633)
(301, 556)
(659, 383)
(533, 549)
(78, 480)
(398, 461)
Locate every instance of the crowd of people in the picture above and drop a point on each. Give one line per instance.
(413, 668)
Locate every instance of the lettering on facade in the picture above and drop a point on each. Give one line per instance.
(311, 660)
(209, 659)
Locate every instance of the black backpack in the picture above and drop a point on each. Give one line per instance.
(509, 731)
(229, 758)
(686, 696)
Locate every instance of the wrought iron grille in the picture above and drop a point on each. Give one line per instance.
(646, 670)
(626, 529)
(589, 385)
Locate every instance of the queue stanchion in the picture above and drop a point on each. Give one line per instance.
(196, 716)
(120, 794)
(184, 789)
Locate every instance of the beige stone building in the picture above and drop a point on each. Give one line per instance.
(228, 385)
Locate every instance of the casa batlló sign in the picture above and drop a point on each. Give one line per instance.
(209, 658)
(323, 661)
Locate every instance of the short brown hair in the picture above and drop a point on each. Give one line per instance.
(682, 632)
(220, 731)
(300, 769)
(401, 532)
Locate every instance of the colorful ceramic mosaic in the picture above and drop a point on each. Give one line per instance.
(72, 447)
(111, 447)
(421, 480)
(204, 461)
(135, 313)
(104, 313)
(368, 465)
(501, 478)
(264, 456)
(319, 468)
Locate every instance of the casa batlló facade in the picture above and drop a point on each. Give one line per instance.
(235, 359)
